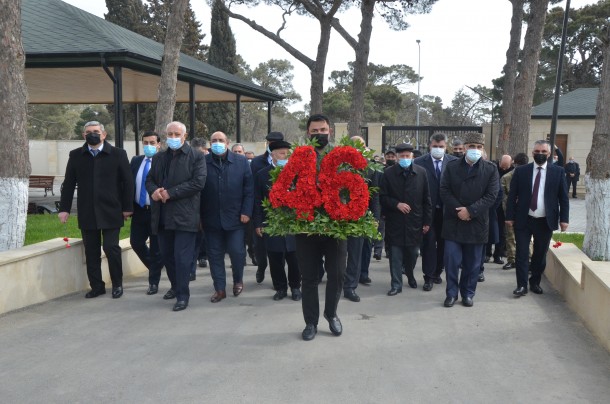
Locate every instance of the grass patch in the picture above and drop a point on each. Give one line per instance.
(574, 238)
(46, 227)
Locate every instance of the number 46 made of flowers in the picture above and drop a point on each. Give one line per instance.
(310, 192)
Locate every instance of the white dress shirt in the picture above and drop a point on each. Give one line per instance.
(540, 210)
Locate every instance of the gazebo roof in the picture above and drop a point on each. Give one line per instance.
(577, 104)
(66, 49)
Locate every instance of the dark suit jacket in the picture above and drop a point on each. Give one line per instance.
(556, 202)
(136, 162)
(259, 162)
(262, 185)
(228, 192)
(105, 187)
(433, 183)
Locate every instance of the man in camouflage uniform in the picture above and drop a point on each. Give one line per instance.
(520, 159)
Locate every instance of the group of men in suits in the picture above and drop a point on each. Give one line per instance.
(437, 204)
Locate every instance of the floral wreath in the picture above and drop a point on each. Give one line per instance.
(329, 197)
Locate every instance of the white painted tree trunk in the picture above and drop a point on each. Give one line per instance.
(14, 208)
(597, 203)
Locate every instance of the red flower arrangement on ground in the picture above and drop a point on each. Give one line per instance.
(67, 240)
(557, 244)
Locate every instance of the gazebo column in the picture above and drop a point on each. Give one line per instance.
(269, 105)
(136, 127)
(118, 106)
(192, 128)
(238, 119)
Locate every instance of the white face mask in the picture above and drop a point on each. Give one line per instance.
(437, 152)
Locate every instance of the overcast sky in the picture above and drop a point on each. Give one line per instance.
(463, 42)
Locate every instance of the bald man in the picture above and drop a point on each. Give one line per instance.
(226, 207)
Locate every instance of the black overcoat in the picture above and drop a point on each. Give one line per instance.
(411, 187)
(475, 188)
(105, 187)
(183, 179)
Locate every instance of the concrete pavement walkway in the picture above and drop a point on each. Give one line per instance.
(407, 348)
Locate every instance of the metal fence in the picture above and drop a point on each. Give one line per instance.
(418, 135)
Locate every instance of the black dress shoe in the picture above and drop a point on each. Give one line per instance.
(536, 289)
(193, 276)
(438, 281)
(296, 294)
(202, 263)
(520, 291)
(498, 261)
(394, 292)
(428, 286)
(334, 324)
(117, 292)
(449, 301)
(351, 295)
(309, 332)
(280, 294)
(377, 257)
(365, 281)
(481, 277)
(95, 293)
(169, 295)
(180, 305)
(152, 289)
(412, 283)
(467, 301)
(260, 275)
(509, 265)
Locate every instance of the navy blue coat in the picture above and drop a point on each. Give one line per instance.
(556, 202)
(228, 192)
(262, 185)
(259, 162)
(433, 182)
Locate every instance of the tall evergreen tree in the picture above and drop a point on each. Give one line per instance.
(221, 116)
(127, 14)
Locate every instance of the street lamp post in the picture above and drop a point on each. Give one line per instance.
(491, 130)
(418, 82)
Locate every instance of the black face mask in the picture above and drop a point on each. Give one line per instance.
(390, 162)
(458, 154)
(322, 139)
(540, 158)
(92, 139)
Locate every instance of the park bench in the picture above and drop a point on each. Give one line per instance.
(42, 181)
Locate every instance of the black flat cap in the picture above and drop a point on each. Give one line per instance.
(403, 147)
(279, 144)
(275, 136)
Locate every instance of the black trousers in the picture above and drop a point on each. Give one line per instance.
(433, 248)
(178, 249)
(260, 252)
(572, 181)
(93, 255)
(149, 255)
(278, 274)
(310, 251)
(539, 229)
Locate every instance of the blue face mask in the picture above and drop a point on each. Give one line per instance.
(219, 148)
(405, 163)
(281, 163)
(149, 150)
(473, 155)
(174, 143)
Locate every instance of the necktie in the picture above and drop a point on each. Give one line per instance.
(438, 169)
(534, 201)
(142, 201)
(94, 152)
